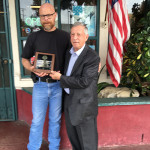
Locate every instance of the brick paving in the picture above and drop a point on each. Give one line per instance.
(14, 136)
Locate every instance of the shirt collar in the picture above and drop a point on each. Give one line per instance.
(77, 52)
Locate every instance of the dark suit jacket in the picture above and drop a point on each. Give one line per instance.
(83, 86)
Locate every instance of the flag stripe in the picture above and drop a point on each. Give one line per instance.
(124, 26)
(117, 18)
(116, 34)
(115, 41)
(114, 61)
(114, 50)
(119, 32)
(113, 78)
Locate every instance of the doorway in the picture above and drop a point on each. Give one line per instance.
(7, 99)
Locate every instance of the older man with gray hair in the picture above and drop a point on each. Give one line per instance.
(80, 84)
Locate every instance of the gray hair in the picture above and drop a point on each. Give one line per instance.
(80, 24)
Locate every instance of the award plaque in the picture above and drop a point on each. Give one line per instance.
(44, 62)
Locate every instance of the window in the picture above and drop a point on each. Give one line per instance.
(81, 11)
(29, 20)
(68, 12)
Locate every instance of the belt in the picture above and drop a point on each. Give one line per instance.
(48, 80)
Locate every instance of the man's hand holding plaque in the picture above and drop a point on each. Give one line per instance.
(44, 62)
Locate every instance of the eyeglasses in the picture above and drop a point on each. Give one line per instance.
(48, 16)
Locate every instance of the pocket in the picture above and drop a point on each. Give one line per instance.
(37, 82)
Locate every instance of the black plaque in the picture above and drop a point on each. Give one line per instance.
(44, 62)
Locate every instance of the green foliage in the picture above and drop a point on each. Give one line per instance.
(136, 65)
(139, 11)
(101, 86)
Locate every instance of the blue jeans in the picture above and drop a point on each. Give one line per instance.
(43, 94)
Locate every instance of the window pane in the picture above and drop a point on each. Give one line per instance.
(26, 72)
(2, 27)
(3, 45)
(1, 77)
(6, 74)
(92, 44)
(29, 20)
(1, 6)
(79, 11)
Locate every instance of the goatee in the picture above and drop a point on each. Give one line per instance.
(48, 28)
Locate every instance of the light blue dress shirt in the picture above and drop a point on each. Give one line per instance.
(73, 58)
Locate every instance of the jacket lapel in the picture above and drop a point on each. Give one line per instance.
(79, 60)
(68, 55)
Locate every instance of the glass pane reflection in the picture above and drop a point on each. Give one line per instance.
(29, 20)
(3, 46)
(2, 27)
(79, 11)
(1, 6)
(1, 83)
(6, 75)
(92, 44)
(26, 72)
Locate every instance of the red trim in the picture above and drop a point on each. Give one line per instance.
(117, 125)
(111, 74)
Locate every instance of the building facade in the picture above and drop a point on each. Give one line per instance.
(118, 125)
(19, 18)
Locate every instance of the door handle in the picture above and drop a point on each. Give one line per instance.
(5, 61)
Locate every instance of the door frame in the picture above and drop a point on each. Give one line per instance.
(10, 56)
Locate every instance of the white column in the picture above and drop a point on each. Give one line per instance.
(103, 40)
(19, 83)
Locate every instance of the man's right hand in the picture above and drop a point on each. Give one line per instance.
(26, 63)
(41, 74)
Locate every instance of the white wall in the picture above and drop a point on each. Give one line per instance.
(103, 40)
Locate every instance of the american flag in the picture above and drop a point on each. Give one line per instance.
(119, 33)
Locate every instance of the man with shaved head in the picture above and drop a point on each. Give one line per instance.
(48, 24)
(46, 91)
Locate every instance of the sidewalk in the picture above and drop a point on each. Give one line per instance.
(14, 136)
